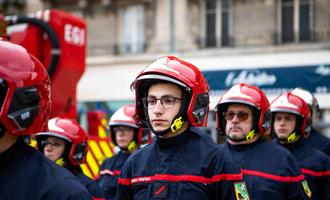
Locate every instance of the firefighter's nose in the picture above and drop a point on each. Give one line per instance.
(158, 107)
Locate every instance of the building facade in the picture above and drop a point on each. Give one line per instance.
(254, 41)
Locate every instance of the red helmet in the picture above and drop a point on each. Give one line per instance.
(251, 96)
(124, 116)
(186, 76)
(290, 103)
(25, 91)
(71, 132)
(311, 100)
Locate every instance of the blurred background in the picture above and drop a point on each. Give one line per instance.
(276, 45)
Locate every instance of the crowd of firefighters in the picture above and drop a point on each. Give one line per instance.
(272, 150)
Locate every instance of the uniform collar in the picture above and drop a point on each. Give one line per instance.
(294, 144)
(243, 147)
(177, 140)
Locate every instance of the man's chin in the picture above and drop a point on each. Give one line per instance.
(233, 138)
(159, 129)
(122, 146)
(51, 158)
(282, 136)
(236, 135)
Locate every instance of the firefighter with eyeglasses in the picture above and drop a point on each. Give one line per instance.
(182, 162)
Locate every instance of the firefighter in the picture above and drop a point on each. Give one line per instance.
(25, 105)
(182, 162)
(291, 125)
(126, 135)
(315, 138)
(269, 170)
(65, 143)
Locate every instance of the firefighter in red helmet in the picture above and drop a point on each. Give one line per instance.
(270, 171)
(126, 135)
(25, 105)
(291, 125)
(121, 124)
(182, 162)
(315, 137)
(65, 143)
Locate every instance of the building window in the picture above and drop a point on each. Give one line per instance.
(295, 20)
(304, 20)
(225, 22)
(217, 16)
(287, 21)
(210, 23)
(132, 30)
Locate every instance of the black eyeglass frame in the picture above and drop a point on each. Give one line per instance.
(162, 99)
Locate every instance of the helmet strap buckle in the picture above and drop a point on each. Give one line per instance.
(132, 146)
(250, 135)
(292, 137)
(177, 124)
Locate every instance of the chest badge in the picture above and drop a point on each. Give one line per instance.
(241, 191)
(306, 188)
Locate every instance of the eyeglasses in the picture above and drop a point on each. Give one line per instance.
(51, 144)
(166, 101)
(242, 116)
(124, 130)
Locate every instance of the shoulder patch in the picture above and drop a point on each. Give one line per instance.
(306, 188)
(241, 191)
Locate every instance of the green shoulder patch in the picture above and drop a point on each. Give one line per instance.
(241, 191)
(306, 188)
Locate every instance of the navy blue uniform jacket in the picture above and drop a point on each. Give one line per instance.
(315, 165)
(26, 174)
(188, 166)
(269, 170)
(109, 173)
(319, 141)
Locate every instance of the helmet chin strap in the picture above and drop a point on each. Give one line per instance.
(132, 146)
(291, 138)
(175, 126)
(60, 161)
(248, 137)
